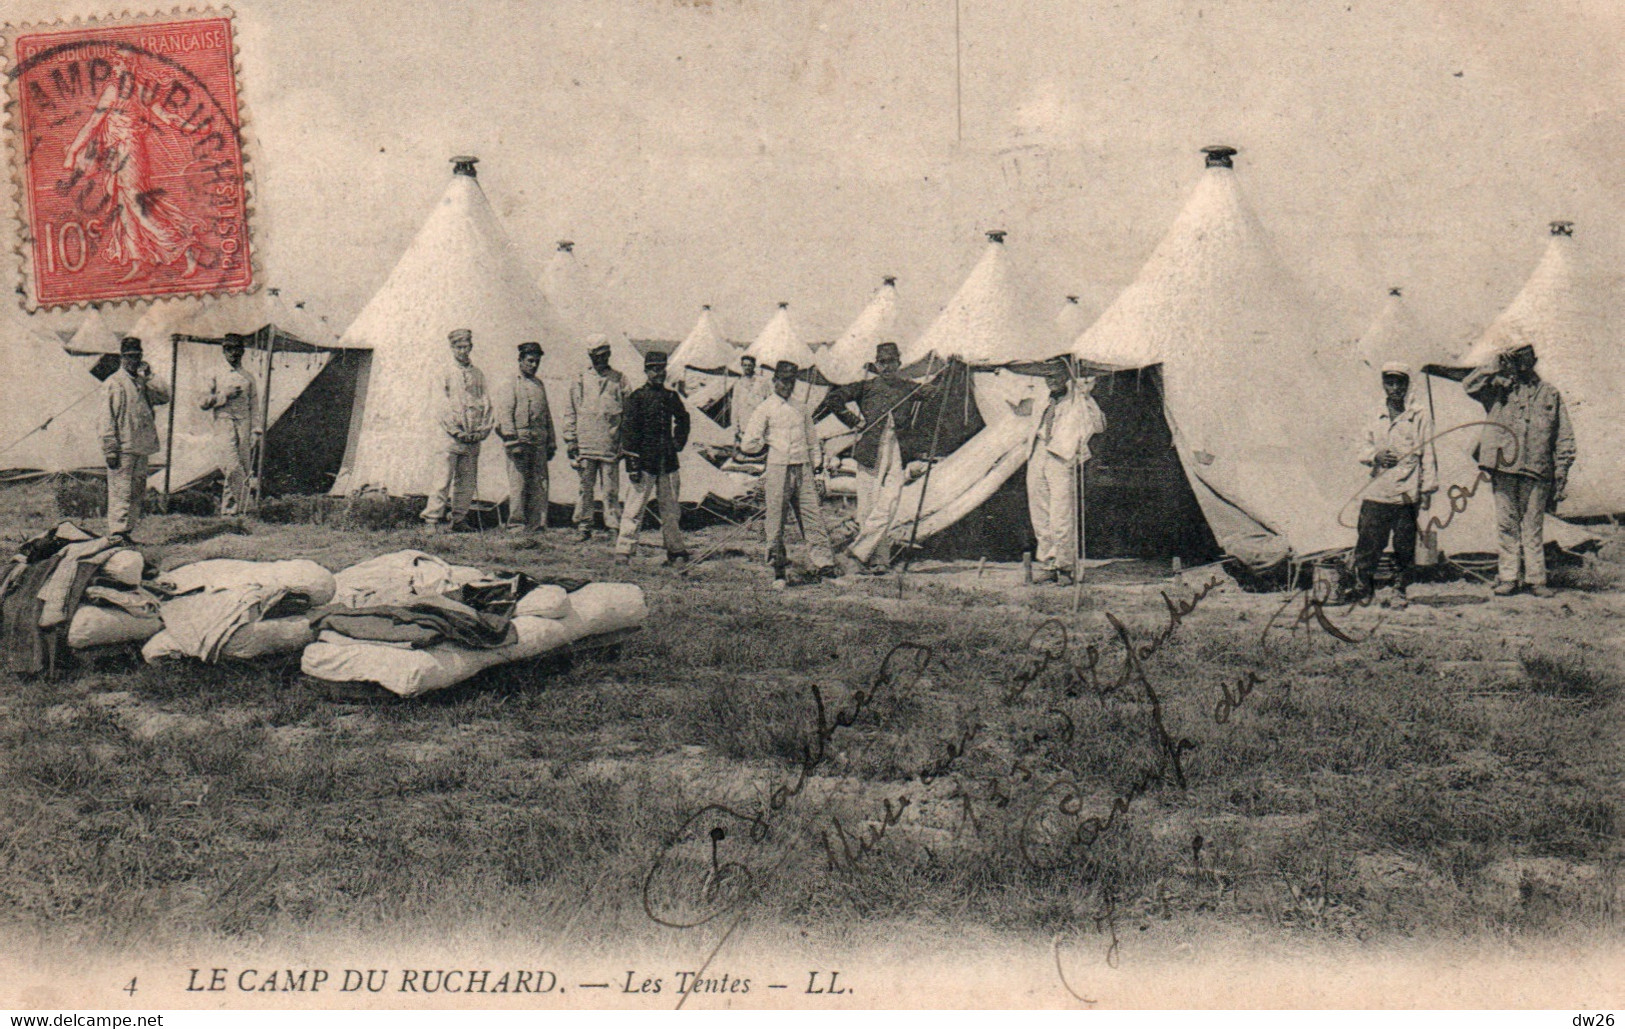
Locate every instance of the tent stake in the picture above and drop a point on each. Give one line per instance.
(174, 392)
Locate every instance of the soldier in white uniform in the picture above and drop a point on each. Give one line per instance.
(1060, 447)
(465, 416)
(232, 395)
(592, 436)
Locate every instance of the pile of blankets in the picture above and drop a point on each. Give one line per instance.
(407, 621)
(412, 623)
(66, 589)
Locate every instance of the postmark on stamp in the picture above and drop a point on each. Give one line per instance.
(127, 150)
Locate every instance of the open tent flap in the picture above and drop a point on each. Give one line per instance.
(199, 448)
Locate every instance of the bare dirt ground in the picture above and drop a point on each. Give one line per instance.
(971, 760)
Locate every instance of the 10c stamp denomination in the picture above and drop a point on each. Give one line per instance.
(127, 151)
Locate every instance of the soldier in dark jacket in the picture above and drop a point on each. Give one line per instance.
(654, 430)
(1526, 448)
(886, 404)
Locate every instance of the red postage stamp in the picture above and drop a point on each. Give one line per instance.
(129, 156)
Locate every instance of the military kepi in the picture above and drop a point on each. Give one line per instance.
(786, 370)
(129, 345)
(460, 336)
(654, 359)
(530, 348)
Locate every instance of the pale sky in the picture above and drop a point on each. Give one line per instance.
(742, 152)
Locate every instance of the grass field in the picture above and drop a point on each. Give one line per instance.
(1455, 771)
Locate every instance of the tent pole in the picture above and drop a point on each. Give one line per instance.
(930, 463)
(174, 394)
(1077, 511)
(255, 488)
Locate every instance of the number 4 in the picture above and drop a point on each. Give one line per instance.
(130, 989)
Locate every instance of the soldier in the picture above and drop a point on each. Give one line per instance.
(1060, 447)
(750, 390)
(886, 402)
(465, 416)
(230, 394)
(653, 433)
(526, 427)
(1402, 478)
(592, 431)
(129, 437)
(795, 456)
(1526, 449)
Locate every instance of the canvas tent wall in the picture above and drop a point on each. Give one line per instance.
(50, 421)
(1565, 311)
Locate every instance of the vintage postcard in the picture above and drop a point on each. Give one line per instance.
(731, 504)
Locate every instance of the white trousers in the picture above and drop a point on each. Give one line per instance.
(1052, 503)
(665, 489)
(454, 493)
(889, 476)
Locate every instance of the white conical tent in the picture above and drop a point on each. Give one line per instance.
(1071, 320)
(988, 321)
(93, 336)
(1395, 335)
(575, 303)
(1563, 312)
(1264, 428)
(845, 360)
(460, 272)
(53, 424)
(701, 361)
(779, 341)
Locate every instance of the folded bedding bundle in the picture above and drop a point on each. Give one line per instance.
(408, 671)
(238, 609)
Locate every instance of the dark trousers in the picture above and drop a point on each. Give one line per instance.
(1377, 522)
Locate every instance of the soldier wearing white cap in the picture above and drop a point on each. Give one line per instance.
(592, 435)
(1403, 475)
(465, 416)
